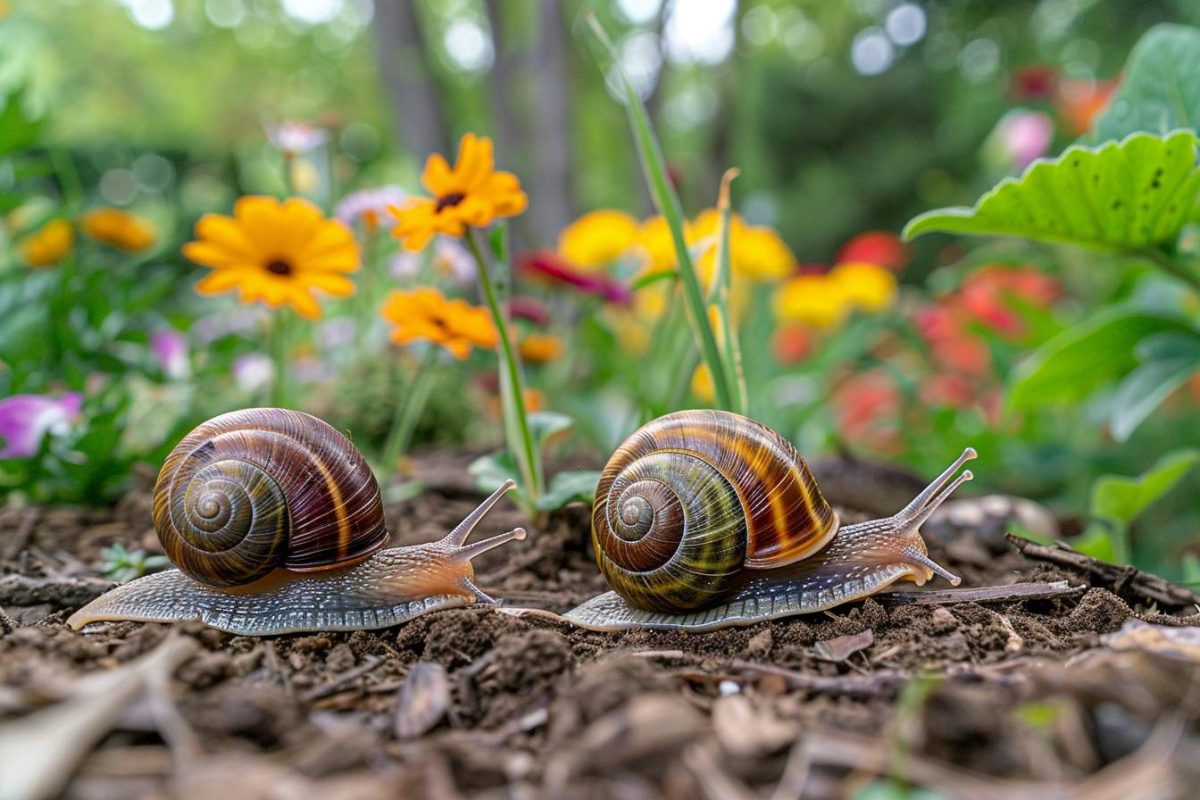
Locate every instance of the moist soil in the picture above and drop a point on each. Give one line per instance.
(1093, 692)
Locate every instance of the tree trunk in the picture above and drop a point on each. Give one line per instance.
(550, 189)
(402, 56)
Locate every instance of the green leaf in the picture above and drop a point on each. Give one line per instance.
(1168, 360)
(1160, 87)
(1121, 196)
(543, 425)
(1083, 358)
(492, 470)
(567, 487)
(1119, 499)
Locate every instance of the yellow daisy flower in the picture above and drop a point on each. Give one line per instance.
(426, 314)
(814, 300)
(866, 286)
(118, 228)
(50, 245)
(657, 246)
(597, 239)
(471, 194)
(275, 252)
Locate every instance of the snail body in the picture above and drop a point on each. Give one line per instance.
(705, 519)
(275, 524)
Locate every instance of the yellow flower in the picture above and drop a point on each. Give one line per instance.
(471, 194)
(276, 253)
(702, 384)
(540, 348)
(755, 251)
(49, 245)
(118, 228)
(597, 239)
(657, 247)
(815, 300)
(866, 286)
(426, 314)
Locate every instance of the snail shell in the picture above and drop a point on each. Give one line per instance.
(706, 518)
(254, 490)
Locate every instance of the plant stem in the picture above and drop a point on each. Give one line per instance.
(510, 377)
(279, 353)
(1169, 265)
(408, 412)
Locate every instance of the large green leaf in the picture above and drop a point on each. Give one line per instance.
(1082, 358)
(1160, 90)
(1168, 359)
(1120, 196)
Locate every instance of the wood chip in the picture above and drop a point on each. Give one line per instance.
(984, 594)
(422, 701)
(843, 647)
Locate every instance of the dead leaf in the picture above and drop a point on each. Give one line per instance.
(843, 647)
(422, 701)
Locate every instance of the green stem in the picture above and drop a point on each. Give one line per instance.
(279, 353)
(524, 450)
(1170, 266)
(408, 412)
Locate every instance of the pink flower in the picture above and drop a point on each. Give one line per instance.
(294, 138)
(253, 371)
(26, 418)
(549, 267)
(1024, 136)
(529, 309)
(450, 260)
(369, 205)
(170, 348)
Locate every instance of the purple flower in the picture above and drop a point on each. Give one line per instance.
(26, 418)
(548, 267)
(450, 260)
(253, 371)
(369, 205)
(170, 348)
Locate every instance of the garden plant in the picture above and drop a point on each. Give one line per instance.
(599, 398)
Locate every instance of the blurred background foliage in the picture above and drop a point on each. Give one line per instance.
(843, 118)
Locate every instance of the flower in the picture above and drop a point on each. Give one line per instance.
(26, 418)
(812, 300)
(540, 348)
(755, 252)
(987, 294)
(529, 309)
(471, 194)
(118, 228)
(876, 247)
(548, 266)
(276, 253)
(656, 244)
(952, 346)
(791, 343)
(597, 239)
(253, 371)
(369, 205)
(450, 260)
(1023, 136)
(866, 286)
(702, 383)
(170, 349)
(1079, 102)
(866, 408)
(426, 314)
(294, 138)
(50, 245)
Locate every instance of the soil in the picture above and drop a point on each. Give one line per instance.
(1092, 692)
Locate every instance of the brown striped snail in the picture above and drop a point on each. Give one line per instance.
(275, 523)
(705, 519)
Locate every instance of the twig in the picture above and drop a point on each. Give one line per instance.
(22, 590)
(984, 594)
(882, 683)
(327, 689)
(22, 535)
(1123, 580)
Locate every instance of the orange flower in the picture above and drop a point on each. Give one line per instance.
(49, 245)
(118, 228)
(276, 253)
(471, 194)
(426, 314)
(540, 348)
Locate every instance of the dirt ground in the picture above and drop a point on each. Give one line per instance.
(1090, 693)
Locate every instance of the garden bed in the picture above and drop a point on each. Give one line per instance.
(966, 698)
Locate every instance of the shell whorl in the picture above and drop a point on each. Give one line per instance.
(692, 499)
(253, 490)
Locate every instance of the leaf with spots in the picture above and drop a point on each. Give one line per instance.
(1160, 90)
(1117, 197)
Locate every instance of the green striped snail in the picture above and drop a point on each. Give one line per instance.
(275, 523)
(705, 519)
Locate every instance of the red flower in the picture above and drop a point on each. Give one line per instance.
(867, 411)
(529, 309)
(792, 343)
(876, 247)
(1035, 82)
(547, 266)
(951, 345)
(988, 293)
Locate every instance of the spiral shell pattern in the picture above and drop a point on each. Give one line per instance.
(253, 490)
(693, 499)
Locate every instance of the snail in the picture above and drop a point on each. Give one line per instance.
(275, 524)
(705, 519)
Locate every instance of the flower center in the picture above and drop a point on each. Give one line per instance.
(278, 266)
(449, 201)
